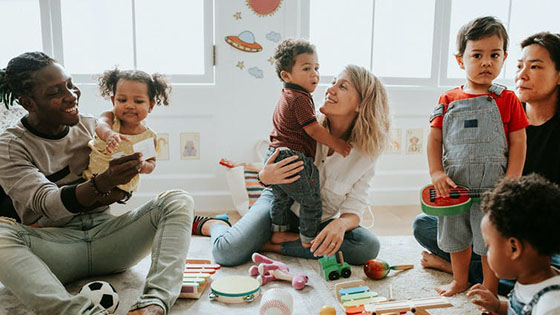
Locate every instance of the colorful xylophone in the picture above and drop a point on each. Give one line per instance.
(357, 299)
(196, 277)
(355, 293)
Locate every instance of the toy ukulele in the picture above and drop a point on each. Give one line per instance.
(459, 200)
(196, 276)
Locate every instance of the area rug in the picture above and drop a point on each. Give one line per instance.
(413, 283)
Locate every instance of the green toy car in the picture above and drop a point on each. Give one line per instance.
(333, 269)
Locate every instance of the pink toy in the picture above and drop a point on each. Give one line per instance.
(268, 270)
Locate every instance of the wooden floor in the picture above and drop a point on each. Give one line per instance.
(389, 220)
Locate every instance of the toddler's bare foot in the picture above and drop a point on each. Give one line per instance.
(283, 237)
(430, 260)
(148, 310)
(305, 245)
(452, 288)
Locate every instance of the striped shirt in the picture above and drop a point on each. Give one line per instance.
(294, 110)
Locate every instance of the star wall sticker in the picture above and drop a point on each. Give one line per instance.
(240, 65)
(237, 15)
(271, 60)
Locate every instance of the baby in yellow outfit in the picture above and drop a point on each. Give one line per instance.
(133, 94)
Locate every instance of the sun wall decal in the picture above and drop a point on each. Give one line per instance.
(264, 7)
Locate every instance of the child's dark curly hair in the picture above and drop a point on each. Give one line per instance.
(528, 209)
(286, 53)
(158, 88)
(15, 79)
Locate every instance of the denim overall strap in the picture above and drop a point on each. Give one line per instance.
(475, 147)
(515, 307)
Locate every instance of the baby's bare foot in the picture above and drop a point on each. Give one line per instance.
(430, 260)
(148, 310)
(452, 288)
(283, 237)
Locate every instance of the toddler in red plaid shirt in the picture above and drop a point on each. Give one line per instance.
(296, 132)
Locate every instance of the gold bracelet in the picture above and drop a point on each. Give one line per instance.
(97, 191)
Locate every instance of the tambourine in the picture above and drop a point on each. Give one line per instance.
(234, 289)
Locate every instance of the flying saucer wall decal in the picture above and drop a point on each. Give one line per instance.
(245, 41)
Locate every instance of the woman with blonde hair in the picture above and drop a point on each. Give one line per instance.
(355, 109)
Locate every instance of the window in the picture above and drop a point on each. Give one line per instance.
(410, 42)
(173, 37)
(521, 18)
(375, 34)
(18, 37)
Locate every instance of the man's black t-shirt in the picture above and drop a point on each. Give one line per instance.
(543, 150)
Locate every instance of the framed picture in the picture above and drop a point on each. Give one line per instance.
(414, 141)
(395, 141)
(162, 146)
(190, 146)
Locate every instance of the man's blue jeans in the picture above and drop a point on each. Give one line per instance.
(35, 263)
(232, 246)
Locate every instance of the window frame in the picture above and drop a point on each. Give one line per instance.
(51, 29)
(440, 51)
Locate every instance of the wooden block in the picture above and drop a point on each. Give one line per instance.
(194, 280)
(354, 310)
(202, 266)
(369, 301)
(358, 296)
(196, 275)
(200, 270)
(353, 290)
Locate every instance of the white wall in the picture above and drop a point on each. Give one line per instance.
(233, 114)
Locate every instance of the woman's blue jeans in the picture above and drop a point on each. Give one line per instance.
(232, 246)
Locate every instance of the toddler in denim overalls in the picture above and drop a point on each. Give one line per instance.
(471, 129)
(296, 132)
(520, 229)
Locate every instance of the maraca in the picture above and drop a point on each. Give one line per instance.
(378, 269)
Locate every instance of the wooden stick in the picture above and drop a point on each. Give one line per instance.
(401, 267)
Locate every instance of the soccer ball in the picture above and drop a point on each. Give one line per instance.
(102, 293)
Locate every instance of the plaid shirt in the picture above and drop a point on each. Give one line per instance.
(294, 111)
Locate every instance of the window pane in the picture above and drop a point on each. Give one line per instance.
(399, 33)
(170, 36)
(461, 13)
(19, 36)
(97, 35)
(341, 30)
(528, 18)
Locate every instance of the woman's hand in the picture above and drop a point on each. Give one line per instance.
(441, 183)
(329, 240)
(274, 173)
(487, 301)
(120, 171)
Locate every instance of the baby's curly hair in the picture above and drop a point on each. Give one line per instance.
(158, 88)
(286, 53)
(528, 209)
